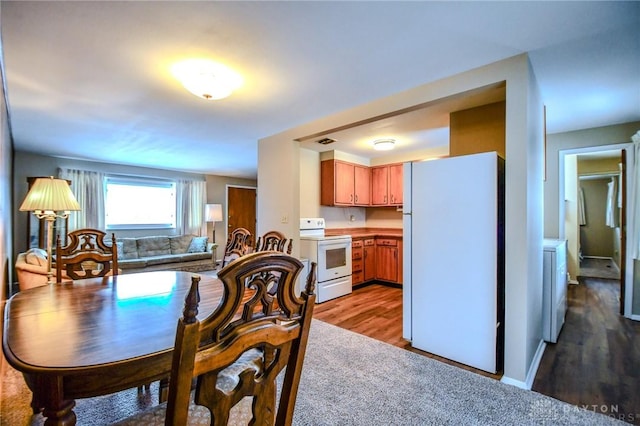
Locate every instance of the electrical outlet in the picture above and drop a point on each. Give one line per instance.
(284, 219)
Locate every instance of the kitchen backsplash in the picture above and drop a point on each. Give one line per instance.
(359, 217)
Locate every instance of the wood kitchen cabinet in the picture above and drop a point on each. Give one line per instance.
(395, 184)
(344, 184)
(357, 262)
(361, 185)
(389, 260)
(376, 259)
(369, 254)
(386, 185)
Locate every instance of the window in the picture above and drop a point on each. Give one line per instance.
(139, 203)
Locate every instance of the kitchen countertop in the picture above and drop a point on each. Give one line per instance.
(365, 232)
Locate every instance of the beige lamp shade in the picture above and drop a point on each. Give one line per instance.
(213, 212)
(50, 194)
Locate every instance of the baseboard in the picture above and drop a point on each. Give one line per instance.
(635, 317)
(533, 370)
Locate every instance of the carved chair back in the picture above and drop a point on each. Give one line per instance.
(274, 240)
(86, 255)
(239, 350)
(238, 245)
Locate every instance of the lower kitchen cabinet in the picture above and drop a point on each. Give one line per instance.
(376, 259)
(357, 262)
(369, 253)
(387, 259)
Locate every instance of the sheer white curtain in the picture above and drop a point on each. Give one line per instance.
(88, 187)
(191, 201)
(635, 197)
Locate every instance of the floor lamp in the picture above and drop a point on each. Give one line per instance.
(213, 213)
(50, 199)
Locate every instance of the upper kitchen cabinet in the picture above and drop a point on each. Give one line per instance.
(386, 185)
(344, 184)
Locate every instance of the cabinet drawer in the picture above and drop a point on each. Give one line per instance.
(357, 278)
(356, 253)
(386, 242)
(369, 242)
(356, 266)
(356, 244)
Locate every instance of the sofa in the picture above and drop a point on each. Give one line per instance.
(181, 252)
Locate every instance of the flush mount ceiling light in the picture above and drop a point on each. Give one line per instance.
(383, 144)
(206, 79)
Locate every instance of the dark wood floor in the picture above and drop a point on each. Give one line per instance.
(595, 364)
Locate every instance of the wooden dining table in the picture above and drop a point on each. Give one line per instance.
(97, 336)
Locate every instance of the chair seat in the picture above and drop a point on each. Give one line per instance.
(199, 415)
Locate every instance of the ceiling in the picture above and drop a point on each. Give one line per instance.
(91, 81)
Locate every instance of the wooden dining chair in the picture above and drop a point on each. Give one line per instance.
(238, 245)
(86, 255)
(274, 240)
(238, 351)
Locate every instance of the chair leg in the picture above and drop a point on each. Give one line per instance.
(145, 387)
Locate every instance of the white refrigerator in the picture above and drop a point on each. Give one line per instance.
(453, 290)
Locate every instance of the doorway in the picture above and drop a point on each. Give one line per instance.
(241, 208)
(588, 177)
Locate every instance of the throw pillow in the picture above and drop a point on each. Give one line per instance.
(198, 245)
(36, 256)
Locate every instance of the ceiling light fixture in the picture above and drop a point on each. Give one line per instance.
(207, 79)
(383, 144)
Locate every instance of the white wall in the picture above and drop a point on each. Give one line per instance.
(309, 183)
(598, 136)
(280, 189)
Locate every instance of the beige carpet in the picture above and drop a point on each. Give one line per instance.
(349, 379)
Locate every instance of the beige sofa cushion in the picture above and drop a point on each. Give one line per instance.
(129, 248)
(180, 244)
(153, 246)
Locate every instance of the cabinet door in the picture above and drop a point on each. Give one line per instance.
(379, 186)
(387, 263)
(395, 184)
(369, 261)
(344, 175)
(362, 185)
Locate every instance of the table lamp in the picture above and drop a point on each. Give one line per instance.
(49, 199)
(213, 213)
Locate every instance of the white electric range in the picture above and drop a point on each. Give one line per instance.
(332, 254)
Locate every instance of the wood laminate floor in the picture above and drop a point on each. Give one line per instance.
(595, 364)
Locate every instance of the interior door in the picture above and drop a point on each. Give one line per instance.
(241, 209)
